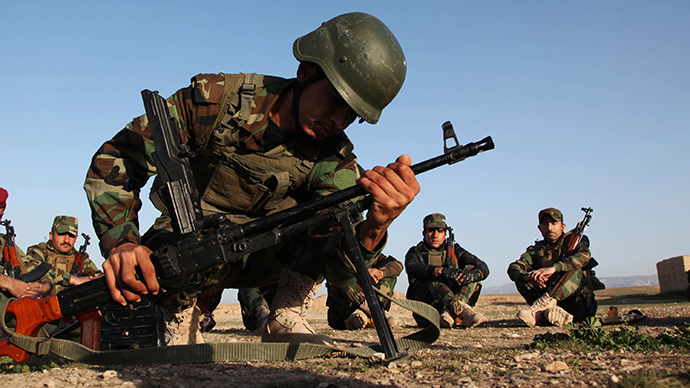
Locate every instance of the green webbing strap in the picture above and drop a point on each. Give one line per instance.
(216, 352)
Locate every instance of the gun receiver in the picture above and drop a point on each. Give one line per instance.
(226, 243)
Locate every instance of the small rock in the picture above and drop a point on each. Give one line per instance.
(555, 367)
(378, 357)
(625, 362)
(527, 356)
(519, 378)
(416, 364)
(613, 381)
(392, 366)
(109, 374)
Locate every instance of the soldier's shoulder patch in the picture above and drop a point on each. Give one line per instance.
(344, 178)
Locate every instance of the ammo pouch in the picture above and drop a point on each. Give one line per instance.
(436, 258)
(241, 184)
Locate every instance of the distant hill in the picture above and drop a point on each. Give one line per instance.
(611, 282)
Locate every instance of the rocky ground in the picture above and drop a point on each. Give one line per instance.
(495, 354)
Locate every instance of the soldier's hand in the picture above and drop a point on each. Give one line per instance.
(468, 276)
(392, 188)
(451, 274)
(121, 273)
(376, 275)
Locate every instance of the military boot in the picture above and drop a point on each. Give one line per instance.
(557, 316)
(182, 327)
(538, 308)
(357, 320)
(393, 321)
(447, 320)
(286, 321)
(467, 315)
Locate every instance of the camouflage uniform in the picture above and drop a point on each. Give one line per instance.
(62, 263)
(568, 286)
(255, 303)
(342, 301)
(425, 287)
(224, 120)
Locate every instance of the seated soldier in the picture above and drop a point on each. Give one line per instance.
(550, 279)
(9, 285)
(444, 275)
(347, 305)
(59, 252)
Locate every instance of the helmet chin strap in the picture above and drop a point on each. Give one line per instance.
(297, 93)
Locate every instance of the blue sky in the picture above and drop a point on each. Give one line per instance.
(588, 103)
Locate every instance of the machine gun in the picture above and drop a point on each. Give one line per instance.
(78, 266)
(206, 247)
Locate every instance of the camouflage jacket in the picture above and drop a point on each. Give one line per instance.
(418, 267)
(543, 254)
(223, 144)
(389, 265)
(62, 264)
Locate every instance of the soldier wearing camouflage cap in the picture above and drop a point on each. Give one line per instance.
(551, 280)
(60, 253)
(15, 287)
(249, 132)
(444, 275)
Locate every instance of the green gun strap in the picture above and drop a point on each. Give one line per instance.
(216, 352)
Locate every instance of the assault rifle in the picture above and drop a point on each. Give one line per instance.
(573, 239)
(11, 262)
(78, 266)
(207, 247)
(9, 252)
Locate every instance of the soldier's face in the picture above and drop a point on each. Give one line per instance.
(322, 111)
(550, 229)
(62, 243)
(434, 237)
(2, 212)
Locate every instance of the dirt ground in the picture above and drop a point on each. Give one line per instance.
(494, 354)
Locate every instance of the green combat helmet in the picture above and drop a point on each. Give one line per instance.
(362, 59)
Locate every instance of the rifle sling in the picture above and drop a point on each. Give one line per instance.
(218, 352)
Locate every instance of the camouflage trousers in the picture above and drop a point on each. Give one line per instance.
(343, 301)
(439, 295)
(251, 298)
(571, 289)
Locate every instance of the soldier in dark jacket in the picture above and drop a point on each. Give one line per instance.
(448, 279)
(551, 280)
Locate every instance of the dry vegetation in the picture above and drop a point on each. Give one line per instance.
(499, 353)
